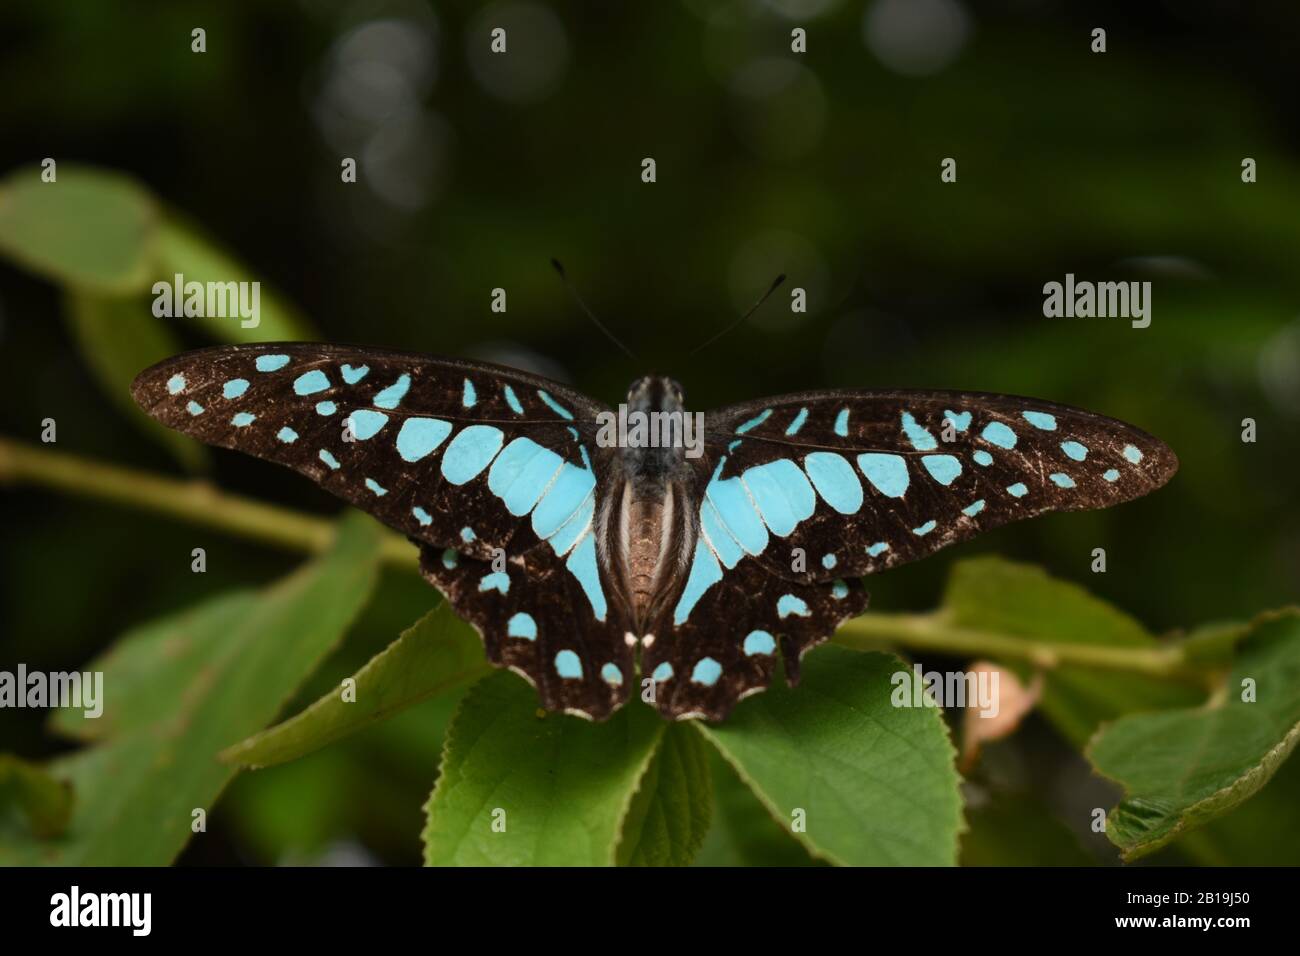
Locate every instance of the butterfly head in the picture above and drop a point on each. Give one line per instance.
(655, 393)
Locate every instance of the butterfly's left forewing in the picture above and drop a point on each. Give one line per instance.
(860, 481)
(493, 472)
(799, 496)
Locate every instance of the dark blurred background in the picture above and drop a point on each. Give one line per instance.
(476, 169)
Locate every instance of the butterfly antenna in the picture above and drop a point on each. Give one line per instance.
(776, 284)
(591, 315)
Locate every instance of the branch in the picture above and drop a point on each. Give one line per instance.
(934, 632)
(200, 503)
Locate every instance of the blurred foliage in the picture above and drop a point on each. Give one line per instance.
(474, 172)
(1181, 768)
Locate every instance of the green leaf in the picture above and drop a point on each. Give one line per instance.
(148, 669)
(743, 832)
(875, 782)
(44, 801)
(178, 690)
(436, 654)
(1263, 832)
(118, 338)
(1180, 769)
(561, 786)
(1021, 600)
(88, 228)
(671, 812)
(183, 250)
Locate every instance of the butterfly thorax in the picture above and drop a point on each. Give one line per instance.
(652, 529)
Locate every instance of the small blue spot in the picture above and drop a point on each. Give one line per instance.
(1132, 454)
(942, 468)
(842, 423)
(662, 673)
(612, 675)
(497, 581)
(839, 590)
(996, 433)
(194, 408)
(1018, 489)
(376, 487)
(754, 422)
(271, 363)
(176, 384)
(421, 436)
(287, 435)
(734, 445)
(467, 534)
(565, 414)
(512, 400)
(450, 559)
(794, 426)
(877, 549)
(960, 420)
(353, 375)
(920, 438)
(759, 642)
(983, 458)
(326, 408)
(1074, 450)
(1040, 420)
(829, 561)
(392, 396)
(522, 625)
(309, 383)
(568, 666)
(1062, 480)
(887, 472)
(789, 604)
(833, 477)
(974, 508)
(329, 459)
(470, 452)
(1111, 474)
(422, 516)
(234, 388)
(924, 529)
(469, 397)
(365, 424)
(706, 672)
(242, 419)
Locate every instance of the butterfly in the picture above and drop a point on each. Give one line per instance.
(595, 564)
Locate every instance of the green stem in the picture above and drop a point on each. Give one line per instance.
(935, 632)
(197, 502)
(200, 503)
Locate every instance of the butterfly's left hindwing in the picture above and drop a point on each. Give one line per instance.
(495, 466)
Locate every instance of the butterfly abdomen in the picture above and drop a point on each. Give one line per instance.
(650, 543)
